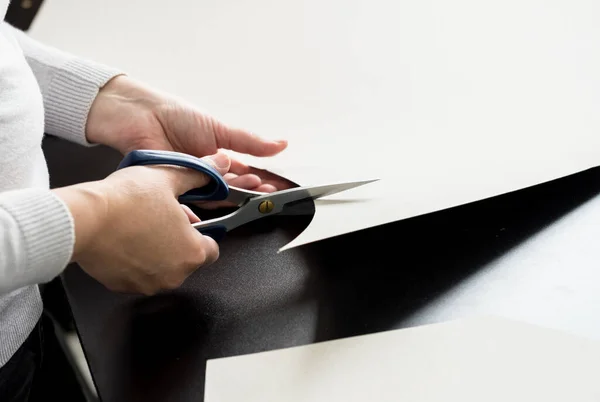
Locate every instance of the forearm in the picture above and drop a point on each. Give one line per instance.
(36, 237)
(69, 85)
(42, 231)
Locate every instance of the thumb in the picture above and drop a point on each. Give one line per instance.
(219, 161)
(193, 218)
(245, 142)
(185, 179)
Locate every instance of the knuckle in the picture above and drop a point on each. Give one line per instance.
(220, 132)
(195, 259)
(149, 290)
(149, 286)
(173, 282)
(201, 256)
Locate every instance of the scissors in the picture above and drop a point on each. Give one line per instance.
(252, 204)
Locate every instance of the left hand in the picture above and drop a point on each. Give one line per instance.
(127, 115)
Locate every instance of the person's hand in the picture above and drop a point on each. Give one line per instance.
(127, 115)
(132, 235)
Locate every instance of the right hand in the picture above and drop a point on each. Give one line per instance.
(132, 235)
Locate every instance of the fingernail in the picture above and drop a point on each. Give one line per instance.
(221, 160)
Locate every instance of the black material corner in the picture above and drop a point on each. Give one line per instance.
(21, 13)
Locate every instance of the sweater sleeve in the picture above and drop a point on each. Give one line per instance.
(69, 85)
(37, 237)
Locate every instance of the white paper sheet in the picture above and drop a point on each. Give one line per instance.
(446, 102)
(470, 360)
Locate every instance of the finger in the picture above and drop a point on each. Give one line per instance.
(247, 181)
(245, 142)
(266, 177)
(193, 218)
(210, 205)
(212, 250)
(266, 188)
(219, 161)
(238, 167)
(208, 249)
(229, 177)
(184, 179)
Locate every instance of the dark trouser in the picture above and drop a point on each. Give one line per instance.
(18, 376)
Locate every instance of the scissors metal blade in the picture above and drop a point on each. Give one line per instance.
(273, 203)
(313, 192)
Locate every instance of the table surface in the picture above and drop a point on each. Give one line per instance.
(531, 255)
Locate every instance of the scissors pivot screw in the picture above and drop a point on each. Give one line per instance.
(266, 206)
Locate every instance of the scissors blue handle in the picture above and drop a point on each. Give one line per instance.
(216, 190)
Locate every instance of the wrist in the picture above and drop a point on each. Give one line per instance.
(113, 114)
(88, 205)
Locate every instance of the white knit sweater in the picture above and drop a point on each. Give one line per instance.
(41, 90)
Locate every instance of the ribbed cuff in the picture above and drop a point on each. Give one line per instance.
(48, 231)
(70, 97)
